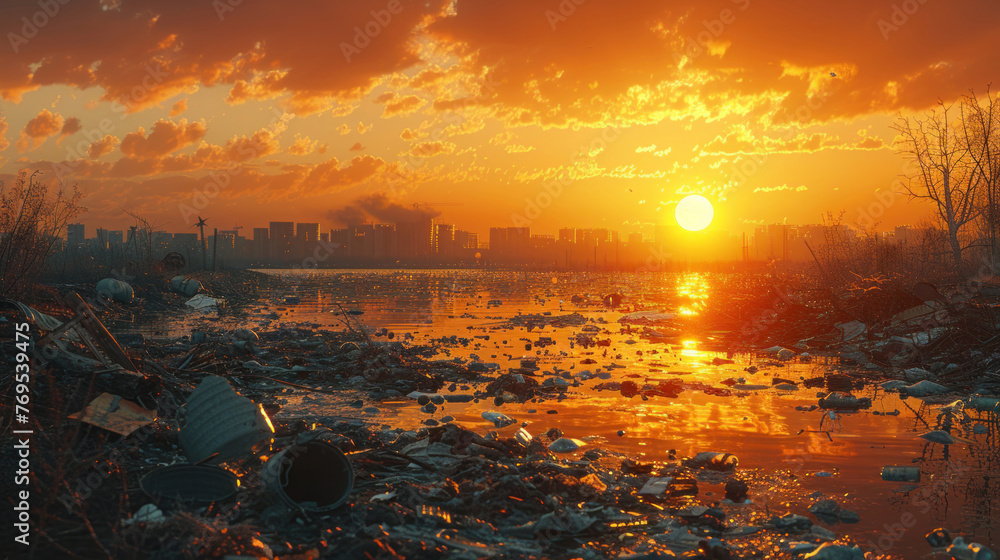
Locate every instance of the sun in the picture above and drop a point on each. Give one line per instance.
(694, 212)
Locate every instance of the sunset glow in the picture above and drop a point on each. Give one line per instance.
(255, 111)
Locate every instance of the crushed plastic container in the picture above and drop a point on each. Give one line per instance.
(115, 290)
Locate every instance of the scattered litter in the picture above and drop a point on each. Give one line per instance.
(203, 302)
(565, 445)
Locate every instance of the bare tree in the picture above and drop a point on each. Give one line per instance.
(981, 136)
(946, 174)
(31, 222)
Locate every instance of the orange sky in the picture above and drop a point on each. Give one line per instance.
(302, 109)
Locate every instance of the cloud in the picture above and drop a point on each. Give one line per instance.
(781, 188)
(179, 107)
(378, 206)
(430, 149)
(143, 52)
(331, 176)
(166, 137)
(101, 147)
(259, 144)
(518, 149)
(4, 144)
(742, 141)
(38, 129)
(357, 147)
(303, 146)
(645, 149)
(70, 127)
(396, 105)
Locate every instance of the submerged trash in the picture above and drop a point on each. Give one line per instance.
(499, 419)
(218, 420)
(900, 474)
(646, 317)
(189, 485)
(828, 551)
(565, 445)
(924, 389)
(971, 551)
(313, 475)
(714, 461)
(938, 538)
(844, 401)
(939, 436)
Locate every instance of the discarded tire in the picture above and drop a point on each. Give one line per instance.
(314, 476)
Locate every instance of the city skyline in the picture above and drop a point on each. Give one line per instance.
(299, 243)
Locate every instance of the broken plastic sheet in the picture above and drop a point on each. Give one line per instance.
(202, 302)
(115, 414)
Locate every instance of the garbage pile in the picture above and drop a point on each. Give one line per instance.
(943, 334)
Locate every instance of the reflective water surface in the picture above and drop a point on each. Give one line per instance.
(792, 456)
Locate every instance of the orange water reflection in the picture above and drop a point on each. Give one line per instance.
(745, 416)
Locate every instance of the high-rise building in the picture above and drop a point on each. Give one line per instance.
(498, 241)
(519, 241)
(282, 235)
(261, 244)
(306, 238)
(101, 241)
(567, 235)
(75, 235)
(444, 240)
(385, 240)
(339, 240)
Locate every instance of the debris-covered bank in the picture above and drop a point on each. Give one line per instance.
(489, 483)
